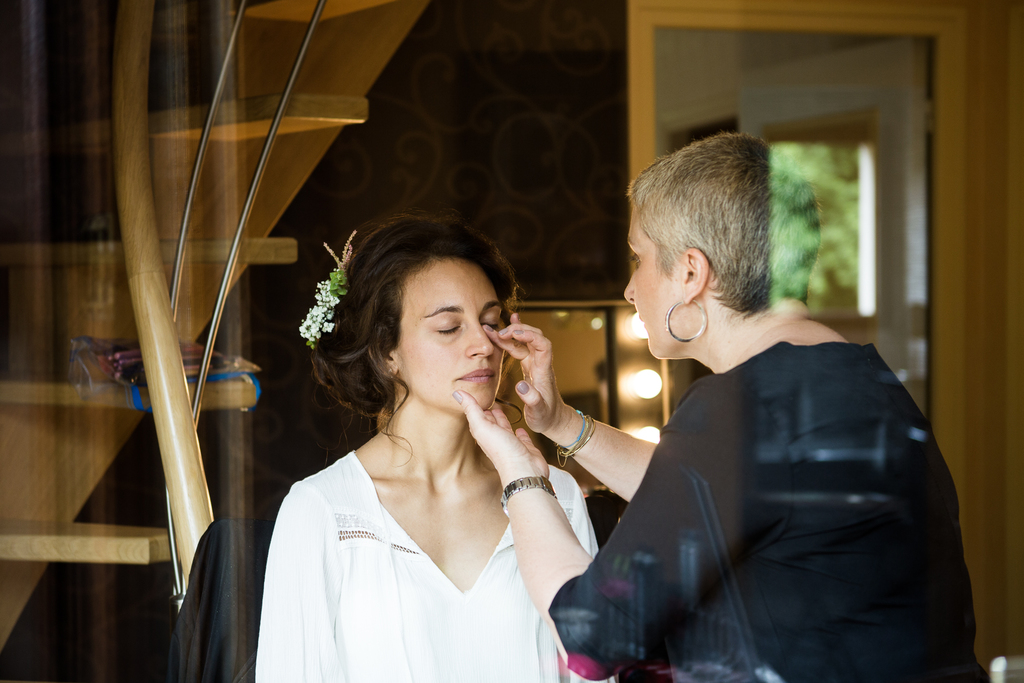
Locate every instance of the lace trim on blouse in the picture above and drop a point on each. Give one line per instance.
(352, 527)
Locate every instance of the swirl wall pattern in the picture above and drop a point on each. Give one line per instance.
(513, 112)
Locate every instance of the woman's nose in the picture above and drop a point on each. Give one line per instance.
(629, 292)
(481, 344)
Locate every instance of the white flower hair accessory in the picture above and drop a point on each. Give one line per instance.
(320, 318)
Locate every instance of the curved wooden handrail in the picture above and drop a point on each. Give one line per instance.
(158, 338)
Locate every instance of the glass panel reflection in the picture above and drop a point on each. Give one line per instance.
(850, 114)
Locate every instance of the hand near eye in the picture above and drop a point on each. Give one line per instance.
(544, 406)
(513, 453)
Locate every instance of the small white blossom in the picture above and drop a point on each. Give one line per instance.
(320, 318)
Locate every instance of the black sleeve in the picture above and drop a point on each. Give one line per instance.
(660, 560)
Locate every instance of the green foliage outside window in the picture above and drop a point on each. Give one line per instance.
(832, 171)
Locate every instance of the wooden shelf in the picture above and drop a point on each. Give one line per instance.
(267, 250)
(236, 120)
(78, 542)
(302, 10)
(250, 118)
(228, 395)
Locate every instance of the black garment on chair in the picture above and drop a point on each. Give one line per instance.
(214, 639)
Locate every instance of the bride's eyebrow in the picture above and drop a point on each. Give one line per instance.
(445, 309)
(458, 309)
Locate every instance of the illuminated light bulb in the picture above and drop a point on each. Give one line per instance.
(645, 384)
(596, 323)
(636, 325)
(648, 433)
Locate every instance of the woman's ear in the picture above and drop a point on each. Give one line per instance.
(693, 274)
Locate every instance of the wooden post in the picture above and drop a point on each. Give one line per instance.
(179, 445)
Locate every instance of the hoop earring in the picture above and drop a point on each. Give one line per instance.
(668, 322)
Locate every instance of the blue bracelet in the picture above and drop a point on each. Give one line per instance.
(580, 413)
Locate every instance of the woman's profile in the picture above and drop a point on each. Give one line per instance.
(396, 562)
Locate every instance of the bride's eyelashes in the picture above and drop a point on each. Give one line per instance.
(453, 330)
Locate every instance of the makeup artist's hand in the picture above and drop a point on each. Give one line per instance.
(513, 453)
(545, 411)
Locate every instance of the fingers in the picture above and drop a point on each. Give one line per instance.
(474, 413)
(528, 394)
(524, 436)
(478, 417)
(500, 419)
(523, 333)
(512, 346)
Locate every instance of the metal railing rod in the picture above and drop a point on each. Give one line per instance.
(204, 139)
(179, 257)
(268, 145)
(179, 579)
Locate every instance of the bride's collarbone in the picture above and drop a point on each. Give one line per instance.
(458, 532)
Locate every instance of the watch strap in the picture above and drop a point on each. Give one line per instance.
(522, 484)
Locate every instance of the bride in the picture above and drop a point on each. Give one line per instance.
(396, 563)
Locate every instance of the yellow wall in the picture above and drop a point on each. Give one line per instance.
(977, 221)
(1015, 335)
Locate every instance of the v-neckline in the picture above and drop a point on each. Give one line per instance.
(389, 519)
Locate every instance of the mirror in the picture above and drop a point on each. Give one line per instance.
(851, 113)
(602, 366)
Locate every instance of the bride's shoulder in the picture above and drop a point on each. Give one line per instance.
(339, 481)
(560, 479)
(566, 489)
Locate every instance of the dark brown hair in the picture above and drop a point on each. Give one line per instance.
(351, 362)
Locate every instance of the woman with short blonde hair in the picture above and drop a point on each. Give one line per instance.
(839, 556)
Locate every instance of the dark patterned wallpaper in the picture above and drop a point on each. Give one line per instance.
(512, 112)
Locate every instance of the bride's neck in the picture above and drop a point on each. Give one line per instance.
(429, 444)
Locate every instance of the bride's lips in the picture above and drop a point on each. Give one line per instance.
(478, 377)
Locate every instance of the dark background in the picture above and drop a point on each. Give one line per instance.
(511, 111)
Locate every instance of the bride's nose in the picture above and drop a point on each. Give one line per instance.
(480, 344)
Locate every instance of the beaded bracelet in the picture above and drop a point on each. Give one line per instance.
(564, 453)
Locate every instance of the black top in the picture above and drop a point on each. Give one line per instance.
(215, 635)
(838, 516)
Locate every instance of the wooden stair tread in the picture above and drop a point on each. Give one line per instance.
(250, 118)
(302, 10)
(81, 542)
(227, 395)
(244, 119)
(266, 250)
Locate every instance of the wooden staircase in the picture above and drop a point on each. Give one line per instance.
(54, 448)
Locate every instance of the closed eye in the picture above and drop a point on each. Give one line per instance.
(450, 331)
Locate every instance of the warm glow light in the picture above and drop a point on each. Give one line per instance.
(648, 433)
(638, 327)
(645, 384)
(596, 322)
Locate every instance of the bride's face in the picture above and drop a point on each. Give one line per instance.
(442, 345)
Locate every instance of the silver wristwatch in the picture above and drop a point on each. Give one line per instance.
(522, 484)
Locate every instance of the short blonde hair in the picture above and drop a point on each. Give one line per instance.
(713, 195)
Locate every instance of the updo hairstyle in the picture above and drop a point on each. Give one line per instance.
(351, 362)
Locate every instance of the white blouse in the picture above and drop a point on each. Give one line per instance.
(349, 596)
